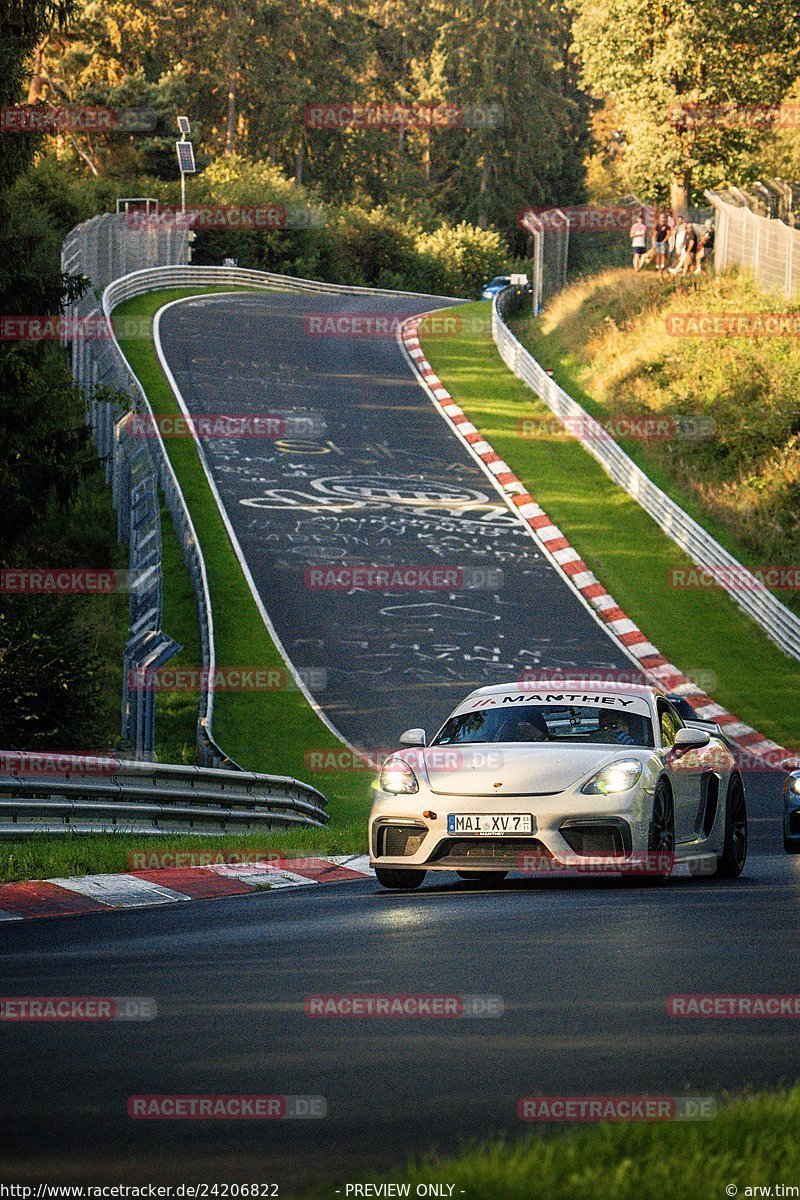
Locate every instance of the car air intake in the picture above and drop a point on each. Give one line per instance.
(596, 839)
(399, 841)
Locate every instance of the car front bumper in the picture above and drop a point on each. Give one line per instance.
(566, 828)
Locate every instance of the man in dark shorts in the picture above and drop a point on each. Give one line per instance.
(661, 242)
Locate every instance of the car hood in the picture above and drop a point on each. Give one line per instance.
(520, 769)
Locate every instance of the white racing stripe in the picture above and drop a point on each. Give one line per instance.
(120, 891)
(261, 875)
(358, 863)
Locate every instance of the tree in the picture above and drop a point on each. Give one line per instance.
(512, 59)
(682, 75)
(24, 25)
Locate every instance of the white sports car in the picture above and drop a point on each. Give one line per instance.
(572, 776)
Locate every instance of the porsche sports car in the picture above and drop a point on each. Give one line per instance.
(573, 776)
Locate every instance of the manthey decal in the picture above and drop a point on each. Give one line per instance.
(565, 698)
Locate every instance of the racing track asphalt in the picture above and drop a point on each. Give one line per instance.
(385, 481)
(583, 968)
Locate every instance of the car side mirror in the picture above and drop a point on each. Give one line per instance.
(413, 737)
(691, 739)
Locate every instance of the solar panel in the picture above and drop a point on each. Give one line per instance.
(185, 158)
(183, 125)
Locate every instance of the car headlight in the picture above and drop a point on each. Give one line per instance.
(793, 783)
(616, 777)
(397, 777)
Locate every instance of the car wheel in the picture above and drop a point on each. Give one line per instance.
(487, 877)
(791, 846)
(661, 835)
(730, 863)
(400, 878)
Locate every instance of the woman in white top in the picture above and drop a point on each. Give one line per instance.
(638, 236)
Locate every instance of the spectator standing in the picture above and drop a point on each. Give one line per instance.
(690, 248)
(638, 236)
(678, 244)
(706, 248)
(661, 242)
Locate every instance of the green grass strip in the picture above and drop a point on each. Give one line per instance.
(176, 712)
(750, 1144)
(701, 631)
(57, 856)
(568, 363)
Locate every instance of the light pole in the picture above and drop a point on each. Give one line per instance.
(185, 152)
(186, 166)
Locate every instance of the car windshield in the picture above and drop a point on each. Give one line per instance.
(582, 724)
(498, 280)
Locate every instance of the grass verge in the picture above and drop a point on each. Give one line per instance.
(617, 342)
(750, 1144)
(267, 731)
(176, 712)
(97, 854)
(702, 631)
(264, 731)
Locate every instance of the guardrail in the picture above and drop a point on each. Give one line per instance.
(747, 591)
(109, 795)
(153, 278)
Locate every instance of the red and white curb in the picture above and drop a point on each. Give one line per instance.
(566, 559)
(168, 885)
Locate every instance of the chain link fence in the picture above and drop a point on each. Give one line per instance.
(548, 249)
(767, 247)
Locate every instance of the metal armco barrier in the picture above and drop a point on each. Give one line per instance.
(741, 585)
(113, 795)
(154, 278)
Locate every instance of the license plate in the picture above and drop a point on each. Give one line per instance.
(490, 823)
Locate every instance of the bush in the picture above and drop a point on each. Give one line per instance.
(463, 257)
(51, 678)
(352, 244)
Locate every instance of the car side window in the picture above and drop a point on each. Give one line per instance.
(669, 721)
